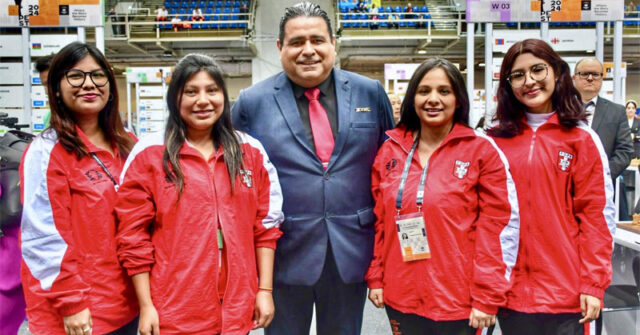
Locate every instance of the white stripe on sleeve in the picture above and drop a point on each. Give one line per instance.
(510, 235)
(609, 211)
(275, 216)
(42, 246)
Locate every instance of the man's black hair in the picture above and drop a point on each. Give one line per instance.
(305, 9)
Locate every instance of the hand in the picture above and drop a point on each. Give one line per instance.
(480, 319)
(376, 296)
(149, 323)
(79, 323)
(590, 307)
(264, 310)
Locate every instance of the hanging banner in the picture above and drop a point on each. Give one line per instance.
(503, 11)
(582, 10)
(544, 10)
(147, 74)
(51, 13)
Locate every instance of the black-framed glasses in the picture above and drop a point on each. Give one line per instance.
(594, 75)
(537, 72)
(76, 78)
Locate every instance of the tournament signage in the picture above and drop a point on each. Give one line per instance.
(51, 13)
(544, 10)
(559, 39)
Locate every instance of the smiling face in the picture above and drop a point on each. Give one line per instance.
(307, 52)
(435, 102)
(88, 99)
(534, 94)
(201, 103)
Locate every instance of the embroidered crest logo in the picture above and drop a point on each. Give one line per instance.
(93, 175)
(246, 177)
(564, 160)
(461, 168)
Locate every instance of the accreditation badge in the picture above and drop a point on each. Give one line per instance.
(412, 235)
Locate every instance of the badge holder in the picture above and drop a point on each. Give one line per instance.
(412, 232)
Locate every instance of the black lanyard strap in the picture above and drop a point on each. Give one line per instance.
(403, 181)
(104, 168)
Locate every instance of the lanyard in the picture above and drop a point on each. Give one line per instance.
(115, 183)
(403, 181)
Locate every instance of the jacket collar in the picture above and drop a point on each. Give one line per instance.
(405, 138)
(91, 147)
(188, 149)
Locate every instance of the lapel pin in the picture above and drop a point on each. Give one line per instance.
(363, 109)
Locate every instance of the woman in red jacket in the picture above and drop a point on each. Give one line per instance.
(447, 220)
(199, 212)
(72, 280)
(565, 194)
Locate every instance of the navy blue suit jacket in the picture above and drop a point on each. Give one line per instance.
(320, 206)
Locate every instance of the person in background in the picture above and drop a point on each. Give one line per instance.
(374, 16)
(199, 185)
(459, 223)
(396, 103)
(162, 14)
(115, 28)
(72, 280)
(631, 109)
(607, 119)
(321, 127)
(562, 177)
(42, 66)
(197, 15)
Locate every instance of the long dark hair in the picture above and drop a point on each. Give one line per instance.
(63, 120)
(176, 130)
(409, 118)
(565, 99)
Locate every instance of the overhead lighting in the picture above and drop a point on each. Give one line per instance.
(422, 51)
(481, 65)
(590, 51)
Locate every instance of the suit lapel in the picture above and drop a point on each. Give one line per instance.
(287, 102)
(343, 100)
(599, 113)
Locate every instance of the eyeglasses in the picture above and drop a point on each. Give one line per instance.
(594, 75)
(76, 78)
(538, 72)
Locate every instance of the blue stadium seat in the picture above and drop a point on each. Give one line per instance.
(182, 11)
(354, 17)
(237, 4)
(216, 18)
(184, 4)
(228, 3)
(211, 4)
(424, 9)
(364, 17)
(388, 9)
(173, 11)
(193, 4)
(401, 23)
(345, 24)
(219, 3)
(234, 17)
(397, 9)
(225, 17)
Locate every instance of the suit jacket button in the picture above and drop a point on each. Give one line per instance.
(326, 176)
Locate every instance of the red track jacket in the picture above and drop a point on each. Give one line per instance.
(471, 217)
(68, 238)
(176, 241)
(567, 215)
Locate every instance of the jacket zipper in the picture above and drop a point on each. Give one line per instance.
(220, 257)
(528, 231)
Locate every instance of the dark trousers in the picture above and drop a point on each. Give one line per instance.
(412, 324)
(130, 328)
(339, 306)
(517, 323)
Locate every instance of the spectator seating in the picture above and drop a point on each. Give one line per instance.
(347, 10)
(214, 10)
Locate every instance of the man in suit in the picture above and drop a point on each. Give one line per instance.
(321, 128)
(608, 119)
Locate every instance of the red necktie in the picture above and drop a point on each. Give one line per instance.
(320, 127)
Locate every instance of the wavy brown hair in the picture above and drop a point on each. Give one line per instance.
(566, 100)
(62, 119)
